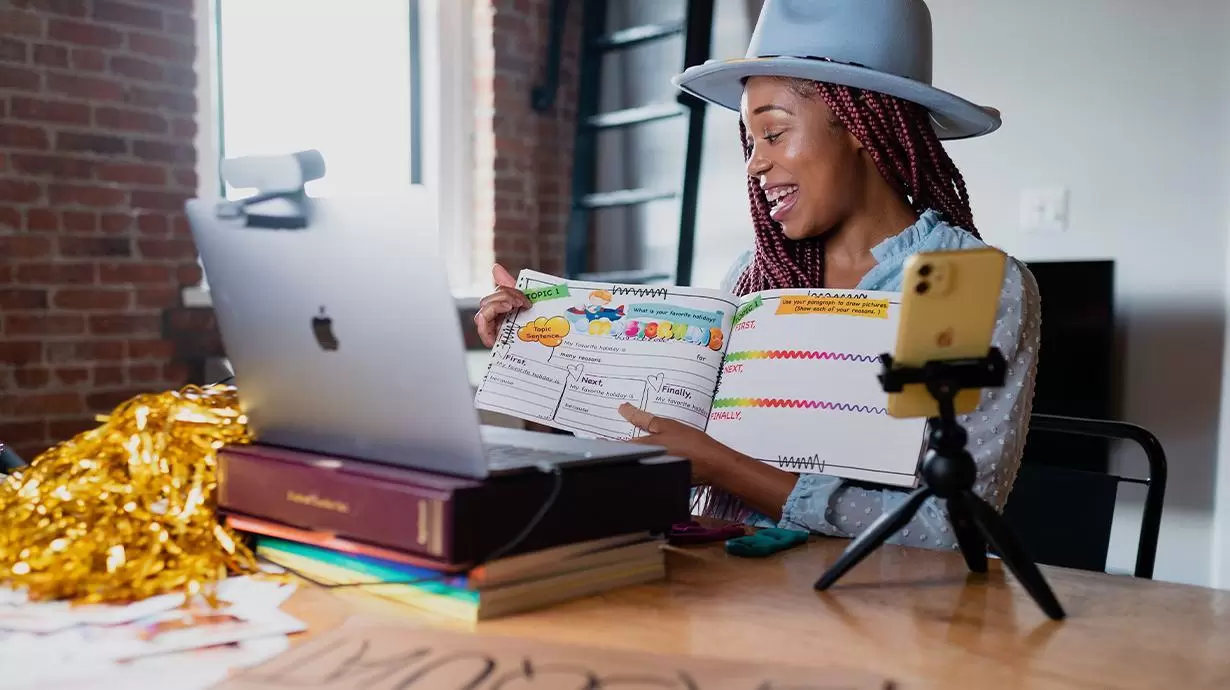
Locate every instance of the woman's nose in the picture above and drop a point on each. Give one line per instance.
(757, 164)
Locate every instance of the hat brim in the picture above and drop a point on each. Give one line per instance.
(720, 82)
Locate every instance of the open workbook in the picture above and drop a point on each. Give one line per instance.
(784, 376)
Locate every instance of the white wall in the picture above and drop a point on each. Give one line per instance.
(1120, 101)
(1123, 102)
(1221, 532)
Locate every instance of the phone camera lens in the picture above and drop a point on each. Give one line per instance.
(922, 288)
(924, 270)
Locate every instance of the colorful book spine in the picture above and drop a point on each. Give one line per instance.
(450, 602)
(377, 569)
(332, 542)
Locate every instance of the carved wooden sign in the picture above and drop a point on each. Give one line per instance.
(380, 655)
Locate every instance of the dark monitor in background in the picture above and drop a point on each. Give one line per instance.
(1076, 362)
(1064, 518)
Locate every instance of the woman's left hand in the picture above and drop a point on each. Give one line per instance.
(708, 456)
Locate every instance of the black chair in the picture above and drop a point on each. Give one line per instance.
(1086, 499)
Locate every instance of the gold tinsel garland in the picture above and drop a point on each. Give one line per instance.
(127, 510)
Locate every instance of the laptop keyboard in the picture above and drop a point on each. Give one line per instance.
(501, 456)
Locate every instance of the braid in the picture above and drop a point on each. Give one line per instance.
(898, 136)
(906, 150)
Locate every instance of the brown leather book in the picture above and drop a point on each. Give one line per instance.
(448, 519)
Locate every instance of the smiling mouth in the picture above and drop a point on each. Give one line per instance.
(781, 200)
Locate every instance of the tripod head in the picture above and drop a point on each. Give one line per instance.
(944, 379)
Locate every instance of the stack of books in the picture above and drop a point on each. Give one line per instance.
(463, 548)
(497, 588)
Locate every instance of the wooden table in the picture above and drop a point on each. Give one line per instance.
(914, 615)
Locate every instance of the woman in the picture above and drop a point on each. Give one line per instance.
(847, 178)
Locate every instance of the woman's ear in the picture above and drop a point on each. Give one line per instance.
(855, 143)
(840, 129)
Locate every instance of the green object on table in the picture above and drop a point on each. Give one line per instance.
(765, 542)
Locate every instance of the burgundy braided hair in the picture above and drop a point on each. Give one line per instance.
(906, 150)
(901, 141)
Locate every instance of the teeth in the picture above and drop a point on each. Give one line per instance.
(778, 193)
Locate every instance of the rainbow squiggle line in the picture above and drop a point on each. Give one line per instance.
(722, 403)
(799, 354)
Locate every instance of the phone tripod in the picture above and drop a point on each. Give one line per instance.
(949, 472)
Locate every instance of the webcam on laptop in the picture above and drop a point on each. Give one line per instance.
(286, 173)
(280, 202)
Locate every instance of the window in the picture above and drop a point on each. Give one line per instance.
(367, 83)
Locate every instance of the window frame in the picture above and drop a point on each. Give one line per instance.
(442, 157)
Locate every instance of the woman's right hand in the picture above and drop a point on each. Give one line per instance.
(493, 307)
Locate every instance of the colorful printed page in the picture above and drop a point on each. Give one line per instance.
(584, 349)
(787, 377)
(799, 388)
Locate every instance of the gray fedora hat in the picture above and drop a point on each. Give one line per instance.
(876, 45)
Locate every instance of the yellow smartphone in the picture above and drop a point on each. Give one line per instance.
(949, 301)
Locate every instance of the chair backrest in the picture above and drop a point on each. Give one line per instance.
(1087, 500)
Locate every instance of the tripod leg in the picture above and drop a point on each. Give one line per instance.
(874, 536)
(1013, 555)
(973, 546)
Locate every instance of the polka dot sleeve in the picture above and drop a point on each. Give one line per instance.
(996, 428)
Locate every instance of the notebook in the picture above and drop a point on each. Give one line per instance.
(784, 376)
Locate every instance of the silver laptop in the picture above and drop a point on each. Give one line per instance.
(344, 339)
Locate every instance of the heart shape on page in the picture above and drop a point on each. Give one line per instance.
(655, 381)
(574, 370)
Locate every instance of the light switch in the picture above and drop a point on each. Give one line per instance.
(1044, 209)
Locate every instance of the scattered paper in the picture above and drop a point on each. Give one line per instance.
(193, 670)
(19, 615)
(247, 591)
(57, 644)
(53, 616)
(163, 633)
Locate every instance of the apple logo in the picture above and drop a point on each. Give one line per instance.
(322, 328)
(944, 339)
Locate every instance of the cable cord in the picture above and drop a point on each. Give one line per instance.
(494, 555)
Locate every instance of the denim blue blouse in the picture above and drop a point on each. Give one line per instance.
(997, 428)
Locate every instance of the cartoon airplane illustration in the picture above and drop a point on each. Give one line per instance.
(598, 308)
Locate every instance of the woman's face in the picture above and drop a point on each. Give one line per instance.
(807, 163)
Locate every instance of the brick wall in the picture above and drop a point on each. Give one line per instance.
(97, 132)
(524, 158)
(97, 120)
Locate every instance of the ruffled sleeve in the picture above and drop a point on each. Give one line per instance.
(731, 280)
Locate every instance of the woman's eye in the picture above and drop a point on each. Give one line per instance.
(773, 137)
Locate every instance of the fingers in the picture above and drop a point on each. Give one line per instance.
(505, 296)
(486, 330)
(638, 418)
(502, 277)
(488, 325)
(509, 297)
(493, 308)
